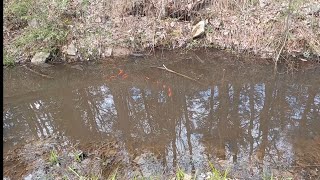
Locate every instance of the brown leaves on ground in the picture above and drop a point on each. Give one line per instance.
(98, 25)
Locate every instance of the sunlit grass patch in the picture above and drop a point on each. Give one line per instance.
(36, 26)
(8, 60)
(44, 38)
(114, 175)
(216, 174)
(18, 9)
(53, 158)
(180, 174)
(92, 177)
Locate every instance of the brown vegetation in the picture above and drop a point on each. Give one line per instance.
(98, 28)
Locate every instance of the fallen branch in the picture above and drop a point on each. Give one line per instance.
(38, 73)
(182, 75)
(199, 59)
(72, 170)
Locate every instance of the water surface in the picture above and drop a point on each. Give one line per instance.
(238, 114)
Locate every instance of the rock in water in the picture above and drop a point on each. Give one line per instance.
(198, 29)
(40, 58)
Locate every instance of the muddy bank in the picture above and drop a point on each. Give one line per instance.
(89, 30)
(57, 158)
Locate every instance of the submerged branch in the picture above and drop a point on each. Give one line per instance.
(179, 74)
(38, 73)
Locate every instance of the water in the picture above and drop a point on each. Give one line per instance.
(238, 114)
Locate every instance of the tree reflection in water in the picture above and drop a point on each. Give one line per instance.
(242, 123)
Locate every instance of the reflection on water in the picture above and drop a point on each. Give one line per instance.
(243, 121)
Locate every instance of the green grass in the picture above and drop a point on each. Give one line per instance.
(92, 177)
(53, 158)
(63, 4)
(18, 8)
(74, 172)
(47, 36)
(216, 174)
(179, 174)
(114, 175)
(49, 33)
(8, 60)
(77, 157)
(85, 3)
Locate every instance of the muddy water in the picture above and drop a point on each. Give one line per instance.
(234, 112)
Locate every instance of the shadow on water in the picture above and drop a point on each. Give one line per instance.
(242, 116)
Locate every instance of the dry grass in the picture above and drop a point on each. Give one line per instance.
(254, 26)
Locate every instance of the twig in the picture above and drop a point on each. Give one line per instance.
(169, 70)
(199, 59)
(38, 73)
(286, 35)
(280, 51)
(74, 172)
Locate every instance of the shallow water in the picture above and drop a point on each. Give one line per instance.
(235, 113)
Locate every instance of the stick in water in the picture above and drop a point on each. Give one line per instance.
(40, 74)
(169, 70)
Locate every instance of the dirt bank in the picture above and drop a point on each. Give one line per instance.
(57, 158)
(97, 29)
